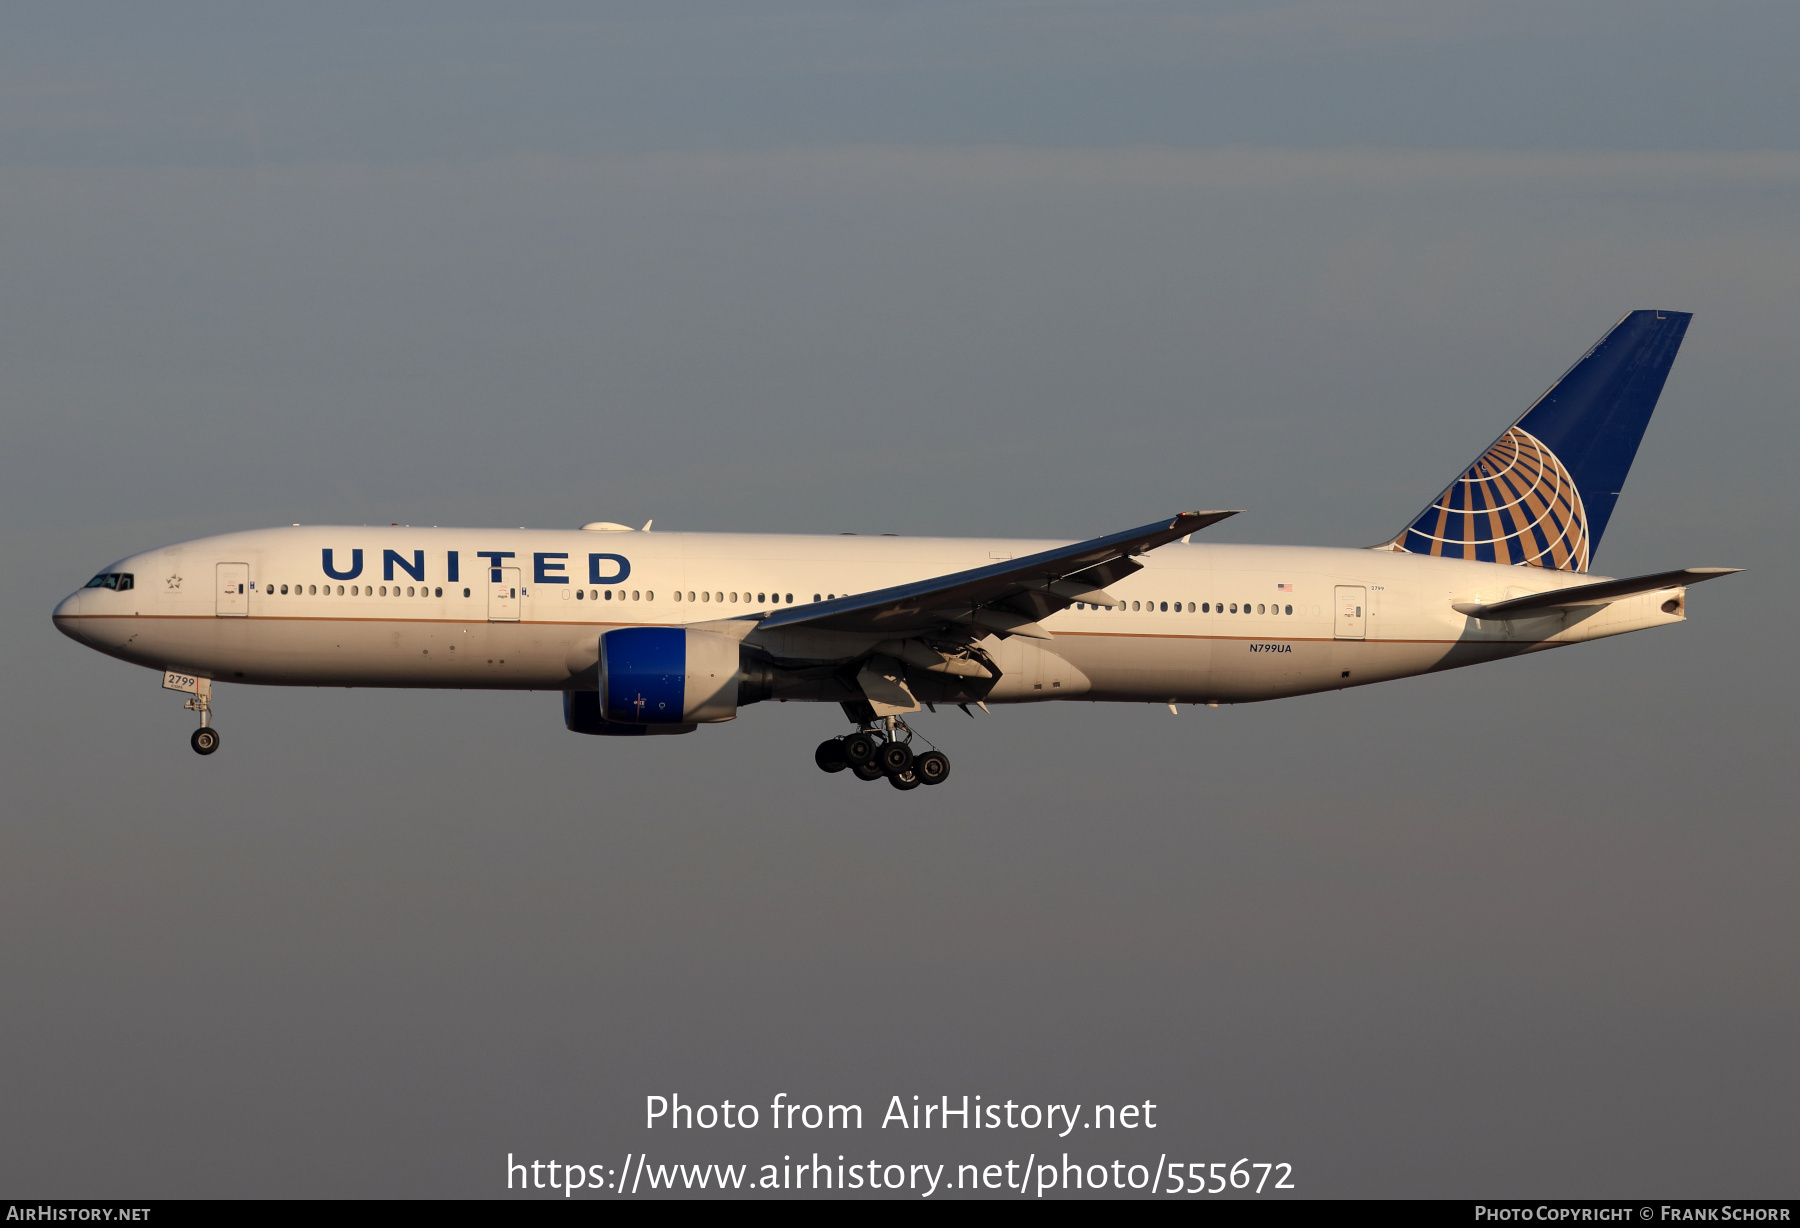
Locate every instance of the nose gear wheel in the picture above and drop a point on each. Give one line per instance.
(205, 739)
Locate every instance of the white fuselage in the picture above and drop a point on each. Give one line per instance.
(1199, 624)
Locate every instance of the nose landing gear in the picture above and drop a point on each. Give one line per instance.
(883, 749)
(199, 690)
(206, 739)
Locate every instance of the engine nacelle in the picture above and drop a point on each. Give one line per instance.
(581, 714)
(668, 676)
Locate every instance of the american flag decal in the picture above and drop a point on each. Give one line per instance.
(1284, 588)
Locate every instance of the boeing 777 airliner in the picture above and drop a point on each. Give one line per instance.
(660, 633)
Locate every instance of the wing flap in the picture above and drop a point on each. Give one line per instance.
(1004, 621)
(1590, 594)
(883, 684)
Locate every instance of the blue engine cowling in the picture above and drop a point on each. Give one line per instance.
(668, 676)
(581, 714)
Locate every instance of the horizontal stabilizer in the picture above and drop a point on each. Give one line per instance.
(1591, 594)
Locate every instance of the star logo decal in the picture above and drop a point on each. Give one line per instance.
(174, 582)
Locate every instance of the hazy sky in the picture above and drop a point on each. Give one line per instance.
(1046, 269)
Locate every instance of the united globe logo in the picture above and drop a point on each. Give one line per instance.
(1516, 504)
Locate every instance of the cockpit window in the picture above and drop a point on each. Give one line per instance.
(120, 580)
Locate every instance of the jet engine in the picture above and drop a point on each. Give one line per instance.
(581, 714)
(670, 676)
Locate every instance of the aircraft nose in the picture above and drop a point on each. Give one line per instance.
(67, 611)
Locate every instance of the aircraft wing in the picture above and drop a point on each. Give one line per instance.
(1007, 597)
(1591, 594)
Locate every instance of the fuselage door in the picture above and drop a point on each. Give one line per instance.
(503, 595)
(1352, 607)
(232, 590)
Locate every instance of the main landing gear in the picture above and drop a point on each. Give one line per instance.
(884, 750)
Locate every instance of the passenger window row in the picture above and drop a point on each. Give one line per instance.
(760, 598)
(124, 581)
(355, 590)
(1205, 607)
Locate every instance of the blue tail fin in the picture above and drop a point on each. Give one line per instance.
(1542, 494)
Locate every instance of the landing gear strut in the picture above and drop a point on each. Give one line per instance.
(883, 748)
(206, 739)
